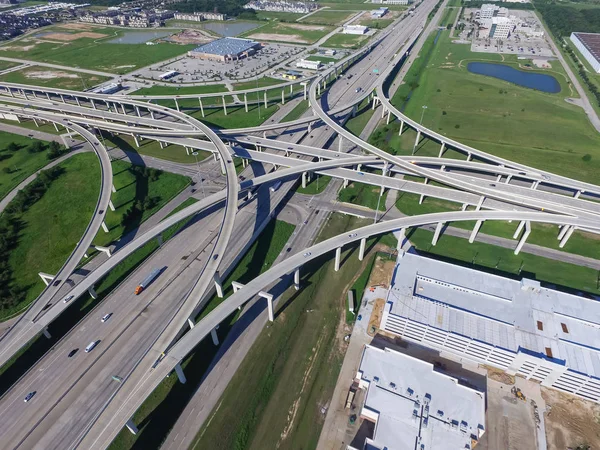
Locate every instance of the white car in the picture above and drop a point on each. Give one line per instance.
(307, 254)
(105, 317)
(68, 299)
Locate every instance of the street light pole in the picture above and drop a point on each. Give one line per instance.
(420, 123)
(199, 174)
(422, 114)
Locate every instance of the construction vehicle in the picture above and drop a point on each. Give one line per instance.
(517, 393)
(149, 279)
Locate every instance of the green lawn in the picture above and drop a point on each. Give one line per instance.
(364, 195)
(519, 124)
(274, 400)
(236, 116)
(323, 59)
(283, 16)
(317, 184)
(159, 412)
(92, 52)
(53, 78)
(260, 82)
(325, 17)
(297, 112)
(149, 147)
(341, 40)
(297, 33)
(357, 124)
(46, 127)
(496, 259)
(20, 163)
(353, 5)
(7, 64)
(186, 90)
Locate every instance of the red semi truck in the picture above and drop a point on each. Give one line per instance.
(149, 279)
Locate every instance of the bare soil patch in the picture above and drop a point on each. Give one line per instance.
(76, 26)
(382, 272)
(298, 26)
(191, 37)
(296, 39)
(375, 319)
(67, 37)
(570, 421)
(19, 48)
(500, 375)
(48, 74)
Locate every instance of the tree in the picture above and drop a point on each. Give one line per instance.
(36, 147)
(12, 147)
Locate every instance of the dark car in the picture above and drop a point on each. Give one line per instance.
(72, 352)
(29, 396)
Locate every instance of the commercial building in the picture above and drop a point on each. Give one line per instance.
(415, 407)
(225, 49)
(379, 13)
(168, 75)
(292, 75)
(394, 2)
(517, 326)
(200, 16)
(307, 64)
(495, 22)
(108, 89)
(355, 29)
(282, 6)
(589, 46)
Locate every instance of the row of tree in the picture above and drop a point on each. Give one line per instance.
(563, 20)
(584, 75)
(10, 227)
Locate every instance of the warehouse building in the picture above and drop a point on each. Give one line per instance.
(589, 46)
(355, 29)
(517, 326)
(415, 407)
(307, 64)
(225, 49)
(379, 13)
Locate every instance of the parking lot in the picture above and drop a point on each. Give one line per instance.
(193, 70)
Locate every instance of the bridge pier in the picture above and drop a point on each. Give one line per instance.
(114, 189)
(180, 374)
(401, 128)
(135, 138)
(214, 336)
(152, 115)
(566, 236)
(577, 194)
(345, 185)
(46, 333)
(519, 229)
(93, 103)
(131, 427)
(438, 231)
(202, 107)
(36, 122)
(469, 157)
(535, 185)
(123, 109)
(265, 99)
(417, 140)
(269, 298)
(224, 105)
(245, 102)
(340, 142)
(92, 292)
(177, 105)
(383, 111)
(104, 227)
(305, 91)
(55, 126)
(162, 144)
(361, 251)
(475, 231)
(338, 258)
(191, 323)
(442, 148)
(524, 237)
(318, 89)
(563, 231)
(401, 237)
(218, 284)
(137, 111)
(297, 278)
(46, 277)
(303, 180)
(75, 97)
(389, 117)
(283, 96)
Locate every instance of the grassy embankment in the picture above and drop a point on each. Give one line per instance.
(275, 398)
(160, 410)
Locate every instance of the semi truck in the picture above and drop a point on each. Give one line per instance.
(149, 279)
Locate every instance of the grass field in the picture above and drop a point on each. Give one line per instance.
(325, 17)
(353, 5)
(295, 33)
(20, 163)
(30, 125)
(357, 124)
(261, 82)
(237, 117)
(364, 195)
(7, 64)
(90, 51)
(275, 398)
(185, 90)
(297, 112)
(53, 78)
(160, 410)
(513, 122)
(341, 40)
(317, 184)
(284, 16)
(149, 147)
(323, 59)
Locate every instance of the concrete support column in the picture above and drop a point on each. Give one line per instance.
(524, 237)
(93, 103)
(152, 114)
(340, 142)
(401, 127)
(519, 229)
(62, 97)
(418, 138)
(111, 206)
(265, 99)
(442, 148)
(297, 278)
(162, 144)
(389, 117)
(224, 105)
(218, 285)
(338, 258)
(283, 96)
(136, 140)
(469, 156)
(401, 237)
(577, 194)
(535, 185)
(566, 237)
(77, 101)
(345, 185)
(177, 105)
(304, 180)
(214, 336)
(180, 374)
(245, 103)
(291, 89)
(202, 107)
(305, 93)
(563, 231)
(480, 203)
(123, 108)
(137, 111)
(319, 89)
(436, 234)
(475, 231)
(131, 427)
(114, 189)
(104, 227)
(361, 251)
(383, 111)
(36, 122)
(93, 292)
(55, 126)
(269, 298)
(46, 333)
(191, 322)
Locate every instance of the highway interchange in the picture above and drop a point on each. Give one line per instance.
(78, 405)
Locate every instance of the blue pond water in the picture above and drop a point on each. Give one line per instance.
(538, 81)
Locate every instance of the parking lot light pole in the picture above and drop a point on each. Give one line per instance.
(199, 174)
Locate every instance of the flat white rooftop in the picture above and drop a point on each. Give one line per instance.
(495, 316)
(415, 407)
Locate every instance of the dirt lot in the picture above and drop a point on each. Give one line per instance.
(191, 37)
(48, 74)
(570, 421)
(294, 38)
(297, 26)
(76, 26)
(375, 319)
(67, 37)
(382, 272)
